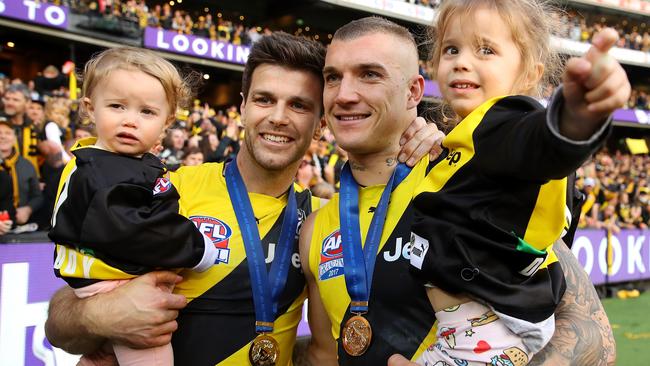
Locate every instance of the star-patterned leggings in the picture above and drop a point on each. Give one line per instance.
(471, 334)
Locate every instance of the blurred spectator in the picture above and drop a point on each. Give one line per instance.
(57, 130)
(173, 144)
(208, 146)
(16, 100)
(27, 194)
(36, 112)
(50, 81)
(192, 156)
(7, 209)
(83, 131)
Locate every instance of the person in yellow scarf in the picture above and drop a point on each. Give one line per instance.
(27, 195)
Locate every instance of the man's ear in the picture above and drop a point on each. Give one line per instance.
(319, 128)
(242, 109)
(415, 91)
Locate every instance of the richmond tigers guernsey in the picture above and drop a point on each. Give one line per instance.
(218, 324)
(397, 327)
(487, 215)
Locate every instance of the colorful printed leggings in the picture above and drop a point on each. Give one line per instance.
(471, 334)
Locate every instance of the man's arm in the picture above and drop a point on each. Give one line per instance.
(140, 314)
(583, 335)
(322, 347)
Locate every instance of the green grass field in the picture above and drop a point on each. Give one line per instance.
(630, 319)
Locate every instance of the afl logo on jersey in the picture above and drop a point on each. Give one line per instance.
(218, 231)
(162, 185)
(331, 257)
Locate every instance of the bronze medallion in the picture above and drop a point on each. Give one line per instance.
(356, 335)
(264, 351)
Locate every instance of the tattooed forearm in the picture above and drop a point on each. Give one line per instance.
(583, 335)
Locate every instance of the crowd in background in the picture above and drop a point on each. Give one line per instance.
(46, 124)
(615, 184)
(572, 24)
(617, 193)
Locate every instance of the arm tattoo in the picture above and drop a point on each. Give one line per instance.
(356, 166)
(390, 161)
(583, 335)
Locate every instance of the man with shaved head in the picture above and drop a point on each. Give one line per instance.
(364, 306)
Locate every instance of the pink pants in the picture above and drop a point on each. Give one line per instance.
(471, 334)
(155, 356)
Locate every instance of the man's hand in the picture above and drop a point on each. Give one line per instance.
(5, 226)
(419, 139)
(595, 85)
(140, 314)
(23, 214)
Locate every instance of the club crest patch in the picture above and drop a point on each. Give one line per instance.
(162, 185)
(218, 231)
(331, 257)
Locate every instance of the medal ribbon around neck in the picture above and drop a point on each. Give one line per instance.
(267, 288)
(359, 263)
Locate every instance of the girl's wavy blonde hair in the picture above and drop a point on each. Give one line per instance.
(177, 88)
(531, 23)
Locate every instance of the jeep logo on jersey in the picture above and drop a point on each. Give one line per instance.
(162, 185)
(218, 232)
(331, 257)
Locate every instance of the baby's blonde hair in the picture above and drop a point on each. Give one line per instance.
(178, 90)
(531, 23)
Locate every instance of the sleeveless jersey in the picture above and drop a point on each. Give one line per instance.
(397, 328)
(218, 324)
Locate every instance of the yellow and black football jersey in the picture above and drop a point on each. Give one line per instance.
(116, 217)
(218, 324)
(487, 214)
(399, 313)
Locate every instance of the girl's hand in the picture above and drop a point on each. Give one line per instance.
(419, 139)
(595, 85)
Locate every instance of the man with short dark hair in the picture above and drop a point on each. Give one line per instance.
(16, 100)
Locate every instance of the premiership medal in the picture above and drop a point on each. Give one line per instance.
(264, 351)
(359, 261)
(267, 287)
(356, 335)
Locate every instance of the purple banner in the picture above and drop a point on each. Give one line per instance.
(165, 40)
(26, 284)
(630, 259)
(33, 11)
